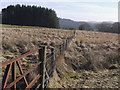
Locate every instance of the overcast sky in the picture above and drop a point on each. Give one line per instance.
(78, 10)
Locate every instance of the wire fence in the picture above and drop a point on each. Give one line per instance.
(44, 68)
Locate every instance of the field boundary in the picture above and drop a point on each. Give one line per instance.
(45, 67)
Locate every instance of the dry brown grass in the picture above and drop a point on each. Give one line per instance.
(91, 55)
(19, 40)
(87, 47)
(89, 50)
(93, 50)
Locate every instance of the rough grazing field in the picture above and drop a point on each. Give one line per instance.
(92, 50)
(17, 41)
(91, 60)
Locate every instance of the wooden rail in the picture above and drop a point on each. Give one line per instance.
(45, 68)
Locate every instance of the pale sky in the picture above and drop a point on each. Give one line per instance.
(77, 10)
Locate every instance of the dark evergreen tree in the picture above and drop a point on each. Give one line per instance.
(30, 16)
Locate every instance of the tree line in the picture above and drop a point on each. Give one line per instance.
(102, 27)
(30, 16)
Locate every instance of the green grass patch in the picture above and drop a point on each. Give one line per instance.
(114, 66)
(32, 27)
(18, 26)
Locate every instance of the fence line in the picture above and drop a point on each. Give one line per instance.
(45, 67)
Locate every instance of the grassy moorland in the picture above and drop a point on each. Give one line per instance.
(91, 60)
(17, 40)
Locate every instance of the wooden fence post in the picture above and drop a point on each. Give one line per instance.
(60, 49)
(53, 59)
(66, 44)
(74, 32)
(42, 59)
(63, 48)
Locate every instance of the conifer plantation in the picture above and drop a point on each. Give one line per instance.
(29, 16)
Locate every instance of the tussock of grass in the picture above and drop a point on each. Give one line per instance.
(93, 50)
(114, 66)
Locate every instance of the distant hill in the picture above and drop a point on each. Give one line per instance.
(67, 23)
(105, 26)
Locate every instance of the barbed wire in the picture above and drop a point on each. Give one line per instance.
(50, 64)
